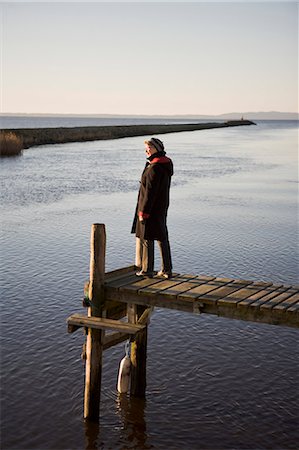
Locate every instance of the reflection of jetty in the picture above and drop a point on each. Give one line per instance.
(119, 294)
(41, 136)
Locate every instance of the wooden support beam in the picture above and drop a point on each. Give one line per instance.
(100, 323)
(145, 316)
(95, 337)
(114, 339)
(138, 350)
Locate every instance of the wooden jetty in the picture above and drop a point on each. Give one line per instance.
(120, 294)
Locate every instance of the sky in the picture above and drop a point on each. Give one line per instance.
(151, 58)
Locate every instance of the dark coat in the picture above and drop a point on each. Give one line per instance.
(153, 198)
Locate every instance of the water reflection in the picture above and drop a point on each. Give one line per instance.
(131, 410)
(92, 430)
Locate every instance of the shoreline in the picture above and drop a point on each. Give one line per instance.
(62, 135)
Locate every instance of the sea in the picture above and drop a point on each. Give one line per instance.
(212, 383)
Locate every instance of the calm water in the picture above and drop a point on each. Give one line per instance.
(213, 383)
(73, 121)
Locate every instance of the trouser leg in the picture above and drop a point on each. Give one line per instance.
(164, 247)
(147, 255)
(138, 254)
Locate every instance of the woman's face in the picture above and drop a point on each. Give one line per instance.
(149, 150)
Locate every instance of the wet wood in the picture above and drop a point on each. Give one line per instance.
(95, 337)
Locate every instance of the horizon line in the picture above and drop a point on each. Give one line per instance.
(149, 115)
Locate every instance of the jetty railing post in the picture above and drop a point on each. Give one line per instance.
(138, 353)
(95, 338)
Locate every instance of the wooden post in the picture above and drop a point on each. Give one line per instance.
(138, 354)
(95, 338)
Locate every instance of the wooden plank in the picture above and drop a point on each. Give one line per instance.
(269, 296)
(223, 280)
(294, 308)
(103, 324)
(112, 339)
(166, 284)
(241, 294)
(149, 300)
(279, 299)
(287, 311)
(205, 277)
(264, 284)
(182, 287)
(121, 281)
(212, 296)
(259, 295)
(203, 289)
(140, 283)
(118, 273)
(287, 303)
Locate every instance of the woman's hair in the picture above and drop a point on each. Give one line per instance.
(155, 142)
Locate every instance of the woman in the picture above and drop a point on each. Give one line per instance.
(151, 211)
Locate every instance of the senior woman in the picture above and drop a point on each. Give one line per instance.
(151, 211)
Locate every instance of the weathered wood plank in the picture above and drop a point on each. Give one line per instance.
(103, 324)
(149, 300)
(203, 289)
(165, 284)
(294, 308)
(112, 339)
(259, 295)
(279, 299)
(287, 303)
(269, 296)
(122, 281)
(205, 277)
(140, 283)
(287, 311)
(117, 273)
(241, 294)
(183, 287)
(212, 297)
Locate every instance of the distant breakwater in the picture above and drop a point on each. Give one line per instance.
(42, 136)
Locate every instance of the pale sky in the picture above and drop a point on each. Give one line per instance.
(149, 57)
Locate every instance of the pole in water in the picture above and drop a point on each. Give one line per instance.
(94, 343)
